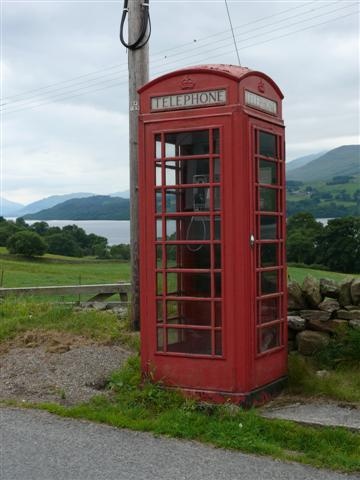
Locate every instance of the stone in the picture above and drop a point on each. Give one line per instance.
(315, 315)
(322, 373)
(351, 307)
(355, 324)
(345, 294)
(348, 315)
(311, 290)
(332, 326)
(291, 334)
(100, 306)
(329, 305)
(329, 288)
(296, 300)
(296, 323)
(309, 342)
(355, 291)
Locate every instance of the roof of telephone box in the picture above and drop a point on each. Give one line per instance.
(235, 72)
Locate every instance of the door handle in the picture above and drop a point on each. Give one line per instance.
(252, 240)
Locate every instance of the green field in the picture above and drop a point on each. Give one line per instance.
(56, 270)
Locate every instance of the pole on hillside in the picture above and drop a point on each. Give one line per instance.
(138, 62)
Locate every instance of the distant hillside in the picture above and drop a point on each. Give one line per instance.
(124, 194)
(49, 202)
(343, 160)
(8, 208)
(301, 161)
(99, 207)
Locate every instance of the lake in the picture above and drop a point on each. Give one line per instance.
(116, 231)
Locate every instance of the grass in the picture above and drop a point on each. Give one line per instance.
(151, 408)
(299, 273)
(18, 316)
(342, 383)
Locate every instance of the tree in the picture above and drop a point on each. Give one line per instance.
(40, 227)
(26, 243)
(300, 247)
(339, 245)
(63, 244)
(121, 251)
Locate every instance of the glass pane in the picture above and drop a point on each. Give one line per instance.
(217, 256)
(188, 312)
(217, 228)
(159, 229)
(158, 180)
(172, 199)
(159, 284)
(160, 339)
(268, 255)
(216, 170)
(187, 143)
(269, 337)
(218, 314)
(267, 143)
(218, 343)
(159, 312)
(158, 256)
(269, 310)
(268, 201)
(216, 141)
(188, 228)
(158, 146)
(158, 202)
(269, 282)
(187, 340)
(171, 170)
(217, 204)
(268, 227)
(189, 284)
(188, 256)
(217, 285)
(200, 199)
(267, 172)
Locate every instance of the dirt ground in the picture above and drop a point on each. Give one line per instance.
(56, 367)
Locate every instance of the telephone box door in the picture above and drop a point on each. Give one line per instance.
(184, 271)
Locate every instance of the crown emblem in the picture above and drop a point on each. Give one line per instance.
(261, 86)
(187, 84)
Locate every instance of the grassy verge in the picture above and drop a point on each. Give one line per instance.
(18, 316)
(154, 409)
(299, 273)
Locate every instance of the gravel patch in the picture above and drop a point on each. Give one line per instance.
(63, 372)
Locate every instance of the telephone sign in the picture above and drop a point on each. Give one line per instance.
(212, 233)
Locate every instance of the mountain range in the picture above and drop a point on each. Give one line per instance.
(317, 167)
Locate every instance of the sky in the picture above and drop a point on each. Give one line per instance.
(64, 94)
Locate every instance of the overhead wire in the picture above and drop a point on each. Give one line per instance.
(163, 71)
(161, 52)
(124, 66)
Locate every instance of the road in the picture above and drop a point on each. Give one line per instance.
(38, 446)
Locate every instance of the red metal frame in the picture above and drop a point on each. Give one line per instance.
(237, 365)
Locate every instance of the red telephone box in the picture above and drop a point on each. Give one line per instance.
(212, 233)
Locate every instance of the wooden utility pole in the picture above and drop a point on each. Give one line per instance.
(138, 62)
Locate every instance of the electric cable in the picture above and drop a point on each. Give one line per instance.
(145, 27)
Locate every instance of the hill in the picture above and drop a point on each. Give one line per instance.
(8, 208)
(344, 160)
(301, 161)
(98, 207)
(49, 202)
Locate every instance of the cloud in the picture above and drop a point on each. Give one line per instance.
(80, 142)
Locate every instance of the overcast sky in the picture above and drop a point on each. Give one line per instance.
(64, 80)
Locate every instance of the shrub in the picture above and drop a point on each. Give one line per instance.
(26, 243)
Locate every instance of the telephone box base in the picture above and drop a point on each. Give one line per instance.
(247, 400)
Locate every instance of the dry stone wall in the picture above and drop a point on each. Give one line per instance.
(317, 309)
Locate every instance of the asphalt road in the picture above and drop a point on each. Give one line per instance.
(38, 446)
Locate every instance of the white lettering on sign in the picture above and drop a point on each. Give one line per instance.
(262, 103)
(188, 100)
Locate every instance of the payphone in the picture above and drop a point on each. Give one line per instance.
(212, 232)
